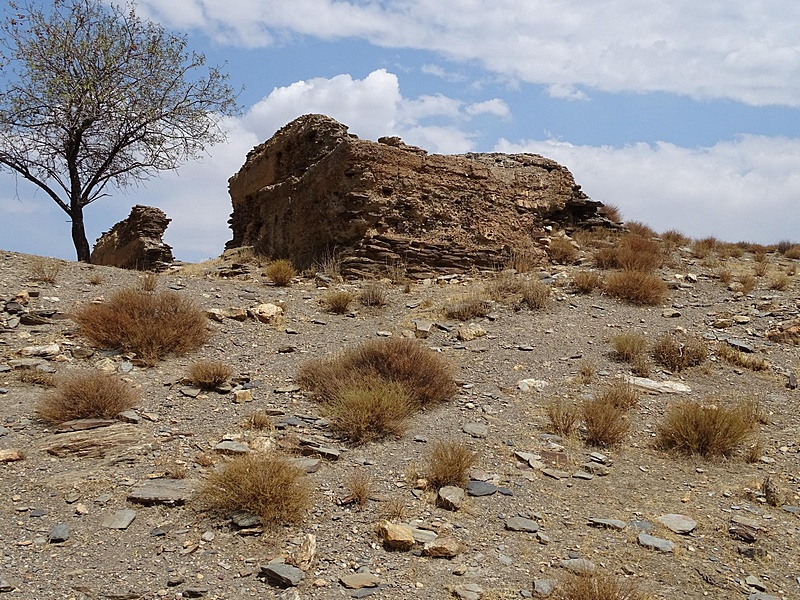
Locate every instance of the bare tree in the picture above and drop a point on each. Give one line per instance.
(93, 96)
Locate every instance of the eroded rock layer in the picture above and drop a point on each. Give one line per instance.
(135, 242)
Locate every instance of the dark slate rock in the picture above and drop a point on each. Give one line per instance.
(195, 591)
(162, 491)
(283, 575)
(607, 523)
(655, 543)
(59, 533)
(480, 488)
(543, 587)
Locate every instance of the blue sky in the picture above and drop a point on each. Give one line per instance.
(686, 115)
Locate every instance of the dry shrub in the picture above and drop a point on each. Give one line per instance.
(759, 253)
(562, 251)
(748, 283)
(629, 346)
(611, 212)
(783, 245)
(148, 282)
(280, 272)
(596, 586)
(393, 510)
(45, 270)
(738, 358)
(36, 377)
(586, 373)
(535, 294)
(370, 409)
(676, 355)
(425, 376)
(467, 307)
(151, 325)
(706, 429)
(89, 395)
(606, 424)
(585, 282)
(504, 285)
(793, 252)
(638, 253)
(780, 282)
(522, 261)
(95, 278)
(640, 366)
(563, 416)
(703, 247)
(359, 484)
(449, 464)
(760, 269)
(727, 250)
(636, 287)
(373, 294)
(209, 374)
(725, 276)
(337, 301)
(619, 395)
(264, 484)
(640, 229)
(605, 258)
(329, 263)
(258, 421)
(675, 238)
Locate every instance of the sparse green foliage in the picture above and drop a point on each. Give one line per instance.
(152, 325)
(93, 96)
(267, 485)
(89, 395)
(449, 464)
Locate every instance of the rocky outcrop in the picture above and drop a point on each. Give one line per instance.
(314, 189)
(135, 243)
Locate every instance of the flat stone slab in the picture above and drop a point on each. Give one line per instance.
(655, 543)
(579, 566)
(231, 447)
(522, 524)
(450, 497)
(120, 519)
(356, 581)
(480, 488)
(282, 574)
(162, 491)
(608, 523)
(660, 387)
(476, 430)
(677, 523)
(59, 533)
(556, 474)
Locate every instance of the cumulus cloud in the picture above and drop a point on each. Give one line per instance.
(744, 50)
(743, 189)
(565, 92)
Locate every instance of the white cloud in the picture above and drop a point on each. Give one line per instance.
(441, 73)
(565, 92)
(744, 50)
(495, 106)
(745, 189)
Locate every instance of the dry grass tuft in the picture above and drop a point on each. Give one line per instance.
(761, 268)
(264, 484)
(504, 285)
(95, 278)
(780, 282)
(522, 261)
(535, 294)
(611, 212)
(563, 416)
(739, 359)
(585, 282)
(210, 374)
(675, 355)
(638, 253)
(373, 294)
(640, 229)
(280, 272)
(258, 421)
(467, 307)
(148, 282)
(636, 287)
(704, 247)
(152, 325)
(596, 586)
(725, 276)
(793, 252)
(337, 301)
(748, 283)
(370, 409)
(89, 395)
(562, 251)
(675, 238)
(629, 346)
(449, 464)
(426, 377)
(606, 423)
(619, 395)
(706, 429)
(359, 484)
(45, 270)
(36, 377)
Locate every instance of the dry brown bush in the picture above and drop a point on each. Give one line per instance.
(636, 287)
(629, 346)
(522, 261)
(95, 279)
(611, 212)
(152, 325)
(504, 285)
(337, 301)
(596, 586)
(280, 272)
(259, 421)
(562, 251)
(359, 484)
(535, 294)
(638, 253)
(793, 252)
(738, 358)
(265, 484)
(45, 270)
(209, 374)
(725, 276)
(36, 377)
(373, 294)
(706, 429)
(370, 408)
(676, 355)
(563, 415)
(619, 395)
(639, 228)
(748, 283)
(675, 238)
(727, 250)
(468, 306)
(780, 282)
(703, 247)
(605, 258)
(760, 268)
(606, 424)
(89, 395)
(427, 377)
(148, 281)
(449, 464)
(585, 282)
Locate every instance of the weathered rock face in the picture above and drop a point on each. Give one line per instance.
(135, 243)
(313, 189)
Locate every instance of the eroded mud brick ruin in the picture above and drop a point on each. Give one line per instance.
(314, 189)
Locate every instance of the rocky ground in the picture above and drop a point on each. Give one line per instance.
(95, 514)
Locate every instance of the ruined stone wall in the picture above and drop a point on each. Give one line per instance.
(313, 188)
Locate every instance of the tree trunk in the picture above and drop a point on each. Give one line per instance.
(79, 236)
